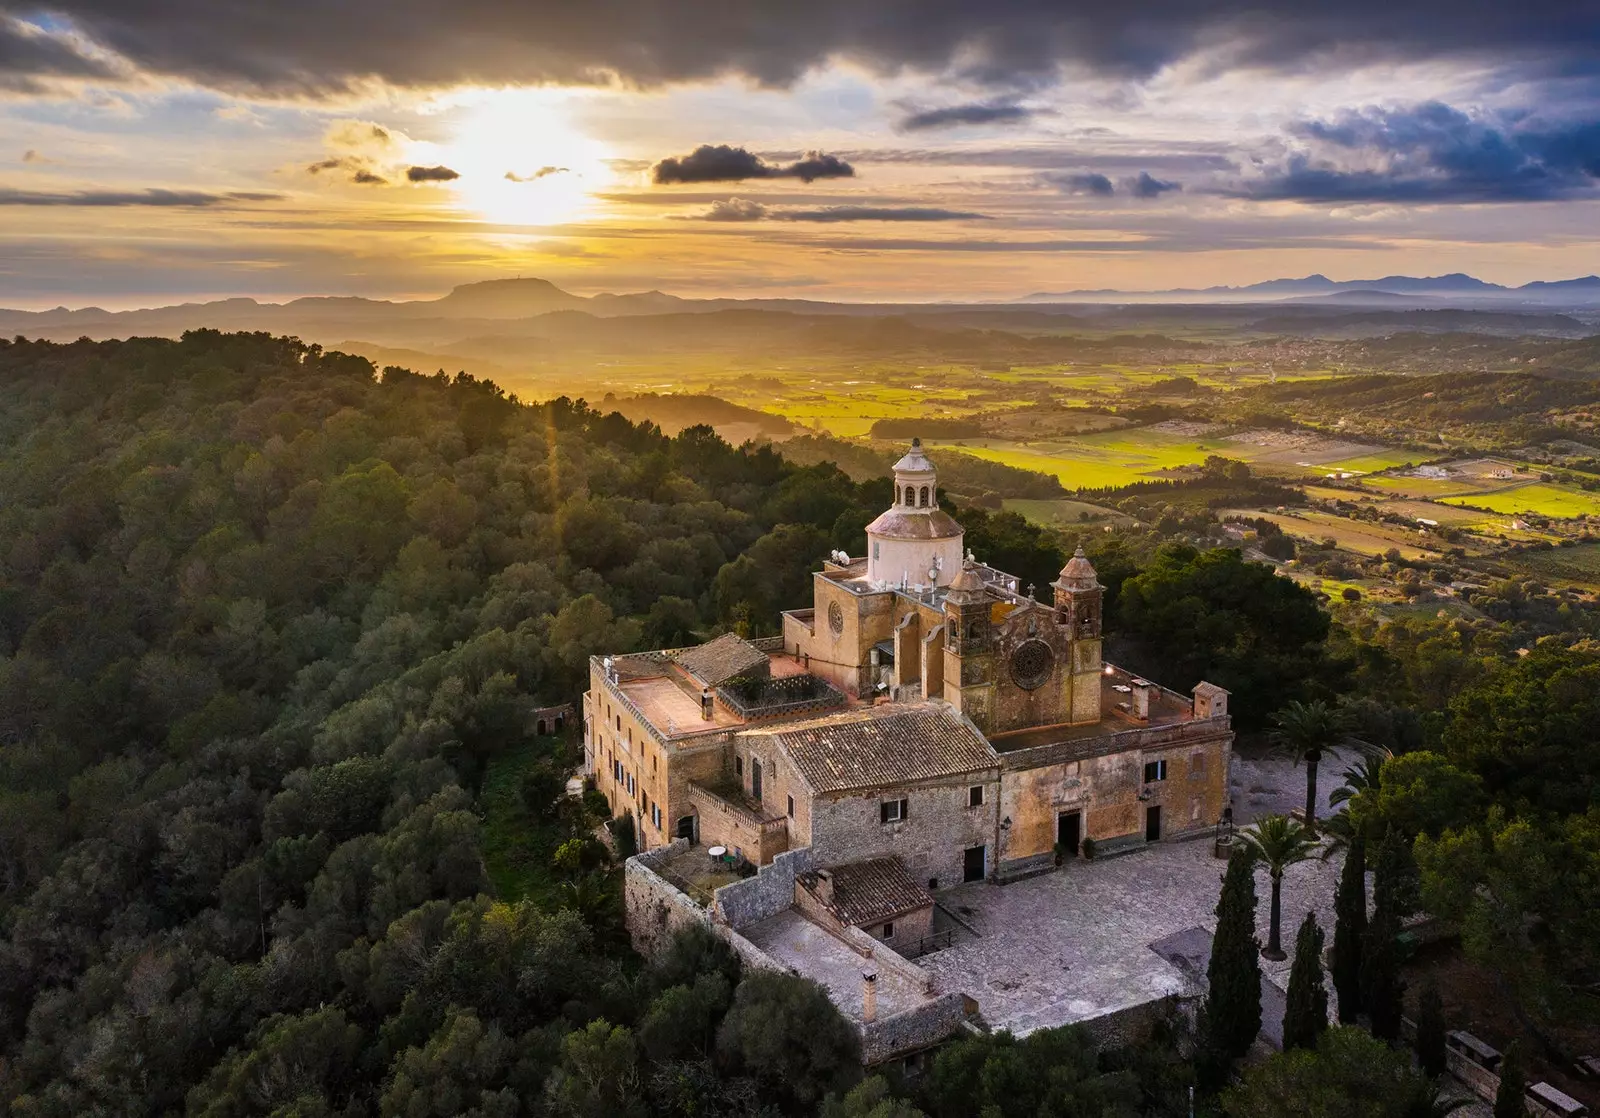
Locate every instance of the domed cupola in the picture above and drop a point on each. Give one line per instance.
(914, 541)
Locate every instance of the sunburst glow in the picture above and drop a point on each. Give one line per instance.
(522, 162)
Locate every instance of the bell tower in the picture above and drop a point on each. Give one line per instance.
(1078, 603)
(969, 647)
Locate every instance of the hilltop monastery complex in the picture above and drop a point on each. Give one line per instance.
(924, 722)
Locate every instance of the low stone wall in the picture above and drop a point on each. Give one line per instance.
(912, 1030)
(1125, 1028)
(654, 907)
(886, 957)
(768, 893)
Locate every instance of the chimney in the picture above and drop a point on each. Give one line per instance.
(825, 886)
(1141, 699)
(869, 996)
(707, 705)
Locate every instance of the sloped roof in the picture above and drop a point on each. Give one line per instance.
(915, 462)
(915, 524)
(717, 661)
(867, 892)
(894, 744)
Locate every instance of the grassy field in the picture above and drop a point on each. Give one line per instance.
(1541, 499)
(1580, 563)
(1357, 536)
(517, 848)
(1063, 513)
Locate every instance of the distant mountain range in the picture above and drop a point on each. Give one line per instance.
(1457, 288)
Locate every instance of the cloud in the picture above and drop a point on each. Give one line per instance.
(30, 57)
(830, 214)
(743, 209)
(1006, 43)
(332, 164)
(735, 209)
(1145, 185)
(542, 172)
(368, 178)
(431, 174)
(1431, 153)
(952, 116)
(1083, 182)
(149, 197)
(725, 163)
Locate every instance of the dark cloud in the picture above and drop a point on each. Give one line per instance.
(367, 178)
(152, 197)
(27, 56)
(541, 173)
(1146, 185)
(331, 164)
(725, 163)
(952, 116)
(1009, 43)
(431, 174)
(1083, 182)
(1436, 153)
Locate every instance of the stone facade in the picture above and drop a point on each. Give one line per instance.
(976, 733)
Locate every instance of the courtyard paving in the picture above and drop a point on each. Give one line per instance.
(1097, 937)
(809, 949)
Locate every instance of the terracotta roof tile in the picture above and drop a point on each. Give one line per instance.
(717, 661)
(888, 745)
(867, 892)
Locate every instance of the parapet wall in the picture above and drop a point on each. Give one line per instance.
(655, 910)
(768, 893)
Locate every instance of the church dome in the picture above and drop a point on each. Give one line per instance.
(914, 541)
(1078, 574)
(915, 462)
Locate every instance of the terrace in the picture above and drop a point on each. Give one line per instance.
(1117, 715)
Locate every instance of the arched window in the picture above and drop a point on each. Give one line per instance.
(924, 501)
(911, 496)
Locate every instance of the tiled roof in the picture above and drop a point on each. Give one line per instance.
(720, 660)
(887, 745)
(867, 892)
(915, 524)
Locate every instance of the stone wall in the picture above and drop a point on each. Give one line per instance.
(768, 893)
(912, 1030)
(732, 823)
(654, 908)
(931, 840)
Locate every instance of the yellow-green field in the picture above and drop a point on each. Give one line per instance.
(1063, 513)
(1351, 535)
(1541, 499)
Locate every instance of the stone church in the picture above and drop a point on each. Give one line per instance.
(923, 722)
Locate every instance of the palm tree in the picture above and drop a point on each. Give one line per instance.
(1366, 775)
(1304, 731)
(1280, 842)
(1426, 1099)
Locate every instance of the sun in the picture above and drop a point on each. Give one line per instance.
(522, 162)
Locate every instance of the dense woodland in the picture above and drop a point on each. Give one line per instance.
(275, 837)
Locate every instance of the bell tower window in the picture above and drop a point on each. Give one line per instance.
(911, 496)
(924, 501)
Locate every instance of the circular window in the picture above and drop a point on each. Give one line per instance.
(1031, 664)
(835, 617)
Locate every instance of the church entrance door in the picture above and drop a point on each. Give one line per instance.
(1069, 832)
(1152, 823)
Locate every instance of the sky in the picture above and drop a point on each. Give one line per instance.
(156, 151)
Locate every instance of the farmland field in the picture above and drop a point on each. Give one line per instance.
(1062, 513)
(1540, 499)
(1357, 536)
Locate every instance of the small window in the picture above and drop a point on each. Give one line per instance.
(738, 766)
(975, 796)
(911, 496)
(1154, 771)
(923, 501)
(892, 811)
(619, 723)
(791, 807)
(877, 550)
(888, 929)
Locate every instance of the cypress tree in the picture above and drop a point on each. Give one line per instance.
(1233, 977)
(1382, 989)
(1508, 1100)
(1430, 1031)
(1306, 1014)
(1349, 929)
